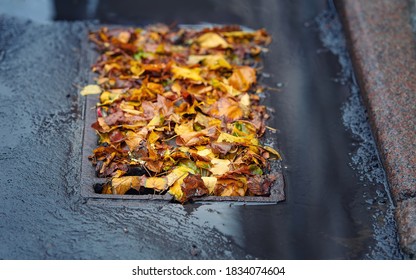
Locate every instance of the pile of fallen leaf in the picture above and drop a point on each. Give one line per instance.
(179, 112)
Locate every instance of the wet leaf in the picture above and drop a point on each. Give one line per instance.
(186, 73)
(107, 97)
(226, 108)
(213, 62)
(91, 89)
(177, 173)
(124, 37)
(133, 140)
(242, 78)
(212, 40)
(272, 151)
(231, 186)
(210, 183)
(260, 185)
(183, 105)
(220, 166)
(123, 184)
(255, 169)
(221, 147)
(193, 186)
(176, 189)
(157, 183)
(247, 140)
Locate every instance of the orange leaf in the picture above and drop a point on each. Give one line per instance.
(242, 78)
(227, 108)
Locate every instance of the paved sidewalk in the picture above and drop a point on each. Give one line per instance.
(383, 51)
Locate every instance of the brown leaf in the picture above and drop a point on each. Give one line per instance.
(116, 136)
(114, 118)
(260, 185)
(154, 165)
(193, 186)
(221, 147)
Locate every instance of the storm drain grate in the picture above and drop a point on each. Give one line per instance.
(89, 178)
(91, 185)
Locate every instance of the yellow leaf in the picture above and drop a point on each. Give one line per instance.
(211, 40)
(229, 89)
(272, 151)
(119, 173)
(124, 37)
(202, 119)
(177, 173)
(155, 121)
(90, 89)
(206, 153)
(123, 184)
(248, 140)
(129, 108)
(239, 34)
(110, 66)
(153, 136)
(245, 104)
(231, 187)
(176, 189)
(108, 97)
(176, 87)
(103, 124)
(245, 100)
(212, 61)
(157, 183)
(184, 128)
(104, 138)
(221, 166)
(210, 183)
(133, 140)
(135, 68)
(186, 73)
(225, 87)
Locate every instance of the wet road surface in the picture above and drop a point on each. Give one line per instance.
(336, 203)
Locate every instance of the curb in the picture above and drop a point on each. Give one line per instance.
(383, 48)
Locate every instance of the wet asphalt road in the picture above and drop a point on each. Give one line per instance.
(335, 207)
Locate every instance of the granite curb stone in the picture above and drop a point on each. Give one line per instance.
(406, 213)
(383, 51)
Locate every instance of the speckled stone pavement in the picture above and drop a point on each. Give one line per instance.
(383, 48)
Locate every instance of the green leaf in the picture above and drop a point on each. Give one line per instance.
(254, 169)
(190, 164)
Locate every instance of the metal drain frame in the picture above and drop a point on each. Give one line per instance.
(89, 178)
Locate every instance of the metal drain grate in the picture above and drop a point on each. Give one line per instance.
(89, 179)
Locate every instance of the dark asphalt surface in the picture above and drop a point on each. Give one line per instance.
(333, 210)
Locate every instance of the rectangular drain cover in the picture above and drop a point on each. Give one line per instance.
(90, 182)
(89, 179)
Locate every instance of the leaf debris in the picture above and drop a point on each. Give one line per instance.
(179, 112)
